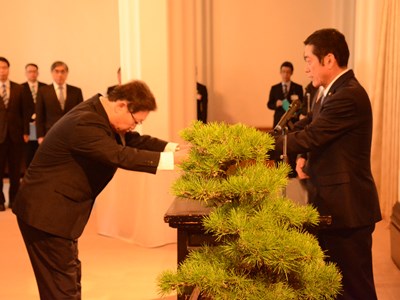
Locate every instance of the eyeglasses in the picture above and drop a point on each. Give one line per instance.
(136, 121)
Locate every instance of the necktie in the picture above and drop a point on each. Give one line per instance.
(285, 92)
(61, 96)
(33, 91)
(4, 95)
(317, 105)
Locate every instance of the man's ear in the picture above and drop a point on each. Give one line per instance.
(330, 60)
(121, 105)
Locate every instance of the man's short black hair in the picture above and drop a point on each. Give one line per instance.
(287, 64)
(329, 40)
(3, 59)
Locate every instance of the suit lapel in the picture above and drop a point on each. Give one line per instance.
(336, 85)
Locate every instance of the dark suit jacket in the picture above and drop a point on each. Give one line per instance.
(202, 102)
(76, 160)
(28, 95)
(48, 108)
(337, 136)
(276, 93)
(14, 120)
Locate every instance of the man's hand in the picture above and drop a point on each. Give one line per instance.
(181, 154)
(300, 163)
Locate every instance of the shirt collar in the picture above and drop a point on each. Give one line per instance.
(325, 91)
(56, 86)
(7, 83)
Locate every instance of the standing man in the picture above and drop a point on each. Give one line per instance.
(280, 95)
(280, 98)
(336, 135)
(54, 100)
(202, 102)
(110, 88)
(31, 87)
(14, 131)
(76, 160)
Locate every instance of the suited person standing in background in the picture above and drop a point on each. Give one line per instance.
(14, 131)
(110, 88)
(54, 100)
(31, 87)
(202, 102)
(280, 98)
(280, 94)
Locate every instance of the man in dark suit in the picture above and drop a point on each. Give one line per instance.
(282, 94)
(110, 88)
(31, 87)
(14, 131)
(280, 97)
(54, 100)
(337, 137)
(202, 102)
(76, 160)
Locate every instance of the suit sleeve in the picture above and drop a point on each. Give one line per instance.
(145, 142)
(300, 92)
(93, 139)
(40, 114)
(27, 109)
(272, 99)
(337, 117)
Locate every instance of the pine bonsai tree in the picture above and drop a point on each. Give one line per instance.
(264, 251)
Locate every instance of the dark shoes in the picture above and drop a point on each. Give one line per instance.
(2, 207)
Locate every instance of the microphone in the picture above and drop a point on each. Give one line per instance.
(288, 114)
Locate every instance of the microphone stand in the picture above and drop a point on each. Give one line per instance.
(283, 126)
(284, 156)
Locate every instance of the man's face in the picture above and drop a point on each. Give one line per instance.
(59, 74)
(4, 70)
(31, 73)
(124, 120)
(286, 73)
(315, 70)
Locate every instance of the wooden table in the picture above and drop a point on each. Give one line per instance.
(186, 216)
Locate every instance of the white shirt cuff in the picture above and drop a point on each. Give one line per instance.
(171, 147)
(166, 161)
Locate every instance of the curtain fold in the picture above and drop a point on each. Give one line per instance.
(386, 108)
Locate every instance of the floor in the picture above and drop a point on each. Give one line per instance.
(116, 270)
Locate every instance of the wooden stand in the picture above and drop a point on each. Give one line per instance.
(186, 216)
(395, 234)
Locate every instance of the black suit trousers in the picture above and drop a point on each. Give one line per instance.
(351, 251)
(11, 155)
(30, 150)
(55, 263)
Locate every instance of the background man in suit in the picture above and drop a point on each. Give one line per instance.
(14, 131)
(337, 137)
(202, 101)
(76, 160)
(280, 98)
(54, 100)
(280, 94)
(31, 87)
(110, 88)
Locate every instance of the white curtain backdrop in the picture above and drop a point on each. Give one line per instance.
(378, 67)
(154, 36)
